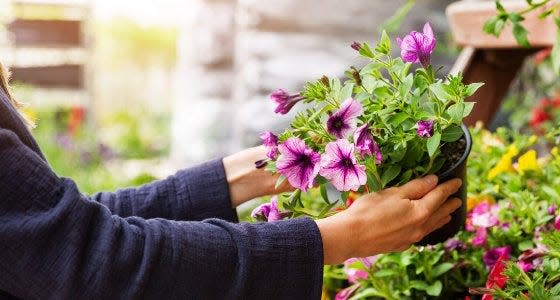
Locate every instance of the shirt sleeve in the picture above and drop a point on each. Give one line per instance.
(193, 194)
(56, 243)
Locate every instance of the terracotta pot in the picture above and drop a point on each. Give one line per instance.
(457, 170)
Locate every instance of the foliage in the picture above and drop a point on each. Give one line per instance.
(496, 24)
(521, 197)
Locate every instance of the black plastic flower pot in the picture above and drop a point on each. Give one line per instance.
(458, 218)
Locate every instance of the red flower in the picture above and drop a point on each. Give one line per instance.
(539, 116)
(496, 278)
(77, 115)
(542, 55)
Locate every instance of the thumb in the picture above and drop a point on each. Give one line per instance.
(417, 188)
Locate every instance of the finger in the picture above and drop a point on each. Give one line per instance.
(447, 208)
(440, 223)
(417, 188)
(442, 213)
(435, 198)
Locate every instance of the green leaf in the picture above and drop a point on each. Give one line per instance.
(366, 293)
(520, 34)
(390, 174)
(418, 285)
(500, 8)
(323, 190)
(468, 108)
(452, 133)
(434, 289)
(344, 196)
(397, 118)
(346, 92)
(440, 92)
(442, 269)
(386, 273)
(455, 111)
(384, 45)
(433, 144)
(515, 17)
(472, 88)
(525, 245)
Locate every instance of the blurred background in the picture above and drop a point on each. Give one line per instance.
(125, 91)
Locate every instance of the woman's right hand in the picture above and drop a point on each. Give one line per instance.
(389, 220)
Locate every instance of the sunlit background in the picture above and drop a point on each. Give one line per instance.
(127, 91)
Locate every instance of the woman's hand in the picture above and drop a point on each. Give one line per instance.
(388, 221)
(247, 182)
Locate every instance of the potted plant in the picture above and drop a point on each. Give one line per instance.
(388, 122)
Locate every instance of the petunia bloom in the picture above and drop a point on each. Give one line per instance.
(454, 244)
(425, 128)
(270, 141)
(298, 163)
(551, 210)
(354, 274)
(418, 47)
(530, 259)
(343, 122)
(496, 278)
(366, 145)
(268, 211)
(491, 256)
(480, 237)
(485, 215)
(339, 165)
(557, 223)
(345, 294)
(284, 101)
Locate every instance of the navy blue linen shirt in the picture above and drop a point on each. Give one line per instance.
(176, 238)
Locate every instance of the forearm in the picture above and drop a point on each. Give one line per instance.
(192, 194)
(247, 182)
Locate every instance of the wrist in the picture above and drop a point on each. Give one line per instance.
(244, 180)
(337, 233)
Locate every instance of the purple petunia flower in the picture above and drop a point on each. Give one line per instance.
(270, 141)
(454, 244)
(298, 163)
(366, 145)
(479, 238)
(284, 101)
(354, 274)
(418, 47)
(529, 260)
(345, 294)
(491, 256)
(268, 211)
(425, 128)
(557, 223)
(340, 167)
(552, 209)
(343, 122)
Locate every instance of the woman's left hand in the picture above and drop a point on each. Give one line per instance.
(245, 181)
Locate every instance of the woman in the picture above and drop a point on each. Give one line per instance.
(179, 237)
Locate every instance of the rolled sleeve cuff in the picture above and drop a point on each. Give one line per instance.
(208, 192)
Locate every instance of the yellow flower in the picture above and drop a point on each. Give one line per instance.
(528, 162)
(474, 201)
(555, 153)
(505, 163)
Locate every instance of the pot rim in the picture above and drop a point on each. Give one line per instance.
(467, 135)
